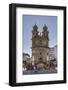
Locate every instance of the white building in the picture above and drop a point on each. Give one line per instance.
(52, 53)
(26, 57)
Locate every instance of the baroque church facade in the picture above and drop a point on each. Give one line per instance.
(40, 46)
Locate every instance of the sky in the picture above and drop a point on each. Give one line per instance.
(30, 20)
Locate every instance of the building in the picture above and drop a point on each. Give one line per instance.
(40, 46)
(26, 60)
(55, 51)
(52, 53)
(26, 57)
(52, 56)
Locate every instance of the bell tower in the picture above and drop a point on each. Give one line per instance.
(45, 35)
(34, 31)
(45, 31)
(34, 35)
(40, 46)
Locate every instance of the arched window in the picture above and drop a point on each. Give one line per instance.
(40, 59)
(40, 53)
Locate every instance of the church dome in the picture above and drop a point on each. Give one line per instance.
(45, 27)
(35, 27)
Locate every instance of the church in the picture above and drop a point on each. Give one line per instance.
(40, 47)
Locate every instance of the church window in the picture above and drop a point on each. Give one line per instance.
(40, 53)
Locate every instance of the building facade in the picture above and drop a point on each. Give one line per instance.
(52, 53)
(26, 57)
(40, 46)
